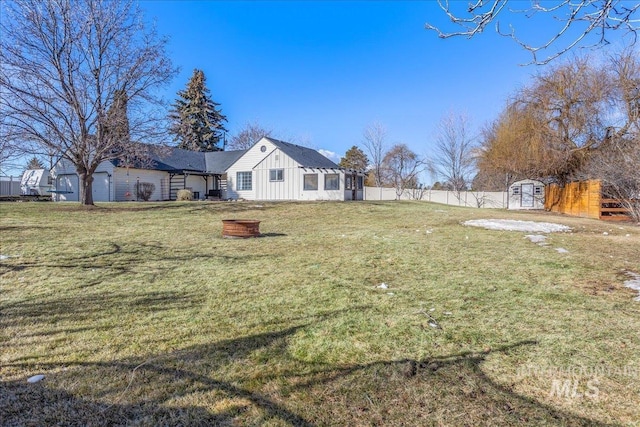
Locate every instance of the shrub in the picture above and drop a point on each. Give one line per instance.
(184, 195)
(145, 190)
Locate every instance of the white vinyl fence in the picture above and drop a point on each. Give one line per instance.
(10, 185)
(473, 199)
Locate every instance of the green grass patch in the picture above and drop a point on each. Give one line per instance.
(142, 314)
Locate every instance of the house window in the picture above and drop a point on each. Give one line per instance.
(276, 174)
(332, 181)
(537, 191)
(311, 181)
(243, 181)
(516, 190)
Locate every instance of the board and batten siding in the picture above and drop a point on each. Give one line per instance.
(260, 161)
(291, 183)
(247, 163)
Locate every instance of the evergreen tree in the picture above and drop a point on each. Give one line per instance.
(34, 163)
(354, 158)
(197, 122)
(116, 125)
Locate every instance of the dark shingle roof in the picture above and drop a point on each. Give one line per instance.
(173, 159)
(306, 157)
(219, 161)
(178, 159)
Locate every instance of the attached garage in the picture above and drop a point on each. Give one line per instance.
(67, 188)
(101, 187)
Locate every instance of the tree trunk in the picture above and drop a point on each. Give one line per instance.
(86, 188)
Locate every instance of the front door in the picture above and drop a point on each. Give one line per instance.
(527, 196)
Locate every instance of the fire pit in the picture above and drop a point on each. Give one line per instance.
(240, 228)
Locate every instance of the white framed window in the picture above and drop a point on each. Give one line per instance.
(537, 191)
(516, 190)
(310, 181)
(332, 181)
(276, 174)
(243, 181)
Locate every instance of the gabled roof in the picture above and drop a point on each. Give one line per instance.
(173, 159)
(219, 161)
(306, 157)
(168, 159)
(178, 159)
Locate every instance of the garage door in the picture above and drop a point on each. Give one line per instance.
(101, 187)
(67, 188)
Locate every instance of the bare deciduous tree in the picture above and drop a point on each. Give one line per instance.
(248, 135)
(454, 159)
(65, 66)
(618, 169)
(402, 167)
(567, 114)
(374, 139)
(576, 20)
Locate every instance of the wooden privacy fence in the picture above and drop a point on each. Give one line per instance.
(584, 199)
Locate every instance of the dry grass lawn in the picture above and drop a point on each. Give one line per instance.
(141, 314)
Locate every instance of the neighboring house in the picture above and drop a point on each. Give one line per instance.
(526, 194)
(269, 170)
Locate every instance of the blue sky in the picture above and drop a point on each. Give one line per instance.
(320, 72)
(317, 73)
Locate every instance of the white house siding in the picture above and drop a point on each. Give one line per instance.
(197, 184)
(321, 193)
(247, 163)
(292, 185)
(125, 180)
(288, 188)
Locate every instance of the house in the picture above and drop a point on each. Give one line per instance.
(268, 170)
(526, 194)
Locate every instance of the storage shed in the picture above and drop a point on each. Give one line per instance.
(526, 194)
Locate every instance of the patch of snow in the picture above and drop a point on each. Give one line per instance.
(390, 293)
(517, 225)
(634, 283)
(3, 257)
(35, 378)
(562, 250)
(536, 238)
(383, 286)
(605, 234)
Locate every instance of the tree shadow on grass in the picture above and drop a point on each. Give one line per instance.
(146, 261)
(255, 380)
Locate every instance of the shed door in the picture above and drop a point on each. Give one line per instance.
(527, 196)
